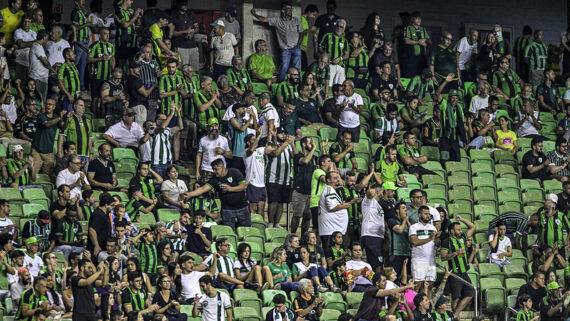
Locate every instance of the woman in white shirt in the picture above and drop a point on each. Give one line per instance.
(247, 270)
(174, 190)
(307, 270)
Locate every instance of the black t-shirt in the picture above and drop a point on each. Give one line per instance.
(530, 159)
(325, 24)
(370, 305)
(303, 174)
(535, 295)
(293, 257)
(388, 207)
(317, 255)
(103, 173)
(183, 21)
(134, 83)
(563, 204)
(26, 125)
(418, 316)
(545, 306)
(300, 303)
(308, 110)
(100, 222)
(379, 83)
(194, 242)
(329, 106)
(230, 200)
(55, 206)
(84, 305)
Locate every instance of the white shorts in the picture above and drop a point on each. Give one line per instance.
(423, 272)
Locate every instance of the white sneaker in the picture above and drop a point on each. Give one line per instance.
(269, 225)
(322, 289)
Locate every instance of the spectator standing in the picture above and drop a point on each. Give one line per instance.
(422, 239)
(465, 53)
(78, 129)
(68, 80)
(223, 48)
(40, 68)
(126, 18)
(333, 214)
(279, 174)
(289, 31)
(114, 98)
(254, 159)
(548, 95)
(336, 45)
(398, 236)
(185, 26)
(207, 105)
(100, 225)
(442, 62)
(211, 147)
(42, 144)
(505, 79)
(535, 56)
(325, 22)
(453, 120)
(81, 28)
(11, 18)
(102, 59)
(309, 14)
(416, 39)
(24, 37)
(352, 105)
(56, 45)
(519, 49)
(304, 164)
(269, 117)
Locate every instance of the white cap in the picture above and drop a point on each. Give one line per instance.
(553, 198)
(17, 148)
(218, 22)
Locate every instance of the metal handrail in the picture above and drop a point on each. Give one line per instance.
(476, 296)
(508, 311)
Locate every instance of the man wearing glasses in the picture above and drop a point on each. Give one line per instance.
(442, 62)
(505, 79)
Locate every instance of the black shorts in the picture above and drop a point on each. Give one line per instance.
(374, 247)
(277, 193)
(458, 289)
(256, 194)
(95, 86)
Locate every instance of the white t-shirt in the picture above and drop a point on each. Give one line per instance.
(527, 128)
(65, 177)
(230, 113)
(330, 221)
(465, 50)
(372, 218)
(190, 284)
(223, 49)
(348, 117)
(10, 109)
(173, 189)
(478, 103)
(255, 167)
(124, 136)
(210, 306)
(244, 269)
(6, 222)
(37, 69)
(22, 55)
(267, 113)
(359, 265)
(502, 246)
(207, 147)
(423, 253)
(34, 264)
(301, 268)
(55, 51)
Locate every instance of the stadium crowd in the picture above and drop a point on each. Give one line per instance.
(138, 154)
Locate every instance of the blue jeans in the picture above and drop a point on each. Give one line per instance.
(477, 142)
(319, 272)
(160, 170)
(289, 286)
(242, 215)
(500, 263)
(81, 61)
(286, 56)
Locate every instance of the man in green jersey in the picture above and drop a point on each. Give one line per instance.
(318, 183)
(518, 52)
(102, 60)
(505, 79)
(441, 312)
(135, 297)
(287, 89)
(342, 152)
(416, 40)
(390, 169)
(126, 18)
(68, 80)
(443, 62)
(422, 86)
(207, 105)
(20, 170)
(309, 14)
(261, 65)
(453, 123)
(336, 45)
(34, 299)
(454, 250)
(80, 28)
(238, 75)
(535, 56)
(411, 157)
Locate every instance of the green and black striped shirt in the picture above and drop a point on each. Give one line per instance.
(15, 166)
(346, 195)
(201, 98)
(506, 82)
(30, 300)
(69, 231)
(87, 211)
(79, 18)
(240, 78)
(125, 37)
(519, 49)
(205, 203)
(147, 186)
(133, 208)
(70, 76)
(335, 46)
(346, 162)
(79, 131)
(358, 64)
(552, 228)
(148, 256)
(458, 264)
(287, 91)
(101, 70)
(170, 83)
(137, 299)
(537, 54)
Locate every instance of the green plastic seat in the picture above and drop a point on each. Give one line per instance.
(481, 225)
(480, 156)
(168, 215)
(328, 132)
(260, 88)
(334, 301)
(32, 210)
(515, 271)
(504, 157)
(246, 233)
(257, 250)
(530, 185)
(452, 167)
(458, 208)
(483, 210)
(244, 294)
(330, 315)
(432, 153)
(148, 218)
(269, 247)
(431, 180)
(532, 198)
(507, 184)
(124, 167)
(223, 231)
(491, 270)
(353, 299)
(481, 181)
(530, 210)
(33, 193)
(267, 296)
(552, 186)
(123, 153)
(481, 237)
(459, 193)
(433, 193)
(524, 142)
(495, 299)
(275, 234)
(506, 171)
(245, 314)
(512, 301)
(457, 180)
(477, 168)
(403, 194)
(10, 194)
(434, 167)
(510, 207)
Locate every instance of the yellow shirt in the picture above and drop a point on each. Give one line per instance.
(11, 23)
(157, 33)
(506, 139)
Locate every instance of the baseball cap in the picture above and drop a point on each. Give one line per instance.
(232, 11)
(31, 240)
(442, 300)
(453, 92)
(389, 185)
(552, 286)
(281, 130)
(553, 198)
(218, 22)
(22, 270)
(213, 121)
(17, 148)
(44, 217)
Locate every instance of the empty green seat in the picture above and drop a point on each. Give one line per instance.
(275, 234)
(507, 184)
(330, 315)
(506, 171)
(456, 180)
(10, 194)
(334, 301)
(495, 299)
(504, 157)
(432, 152)
(223, 231)
(482, 210)
(245, 314)
(480, 181)
(269, 247)
(532, 198)
(491, 270)
(168, 215)
(32, 210)
(510, 207)
(246, 233)
(552, 186)
(452, 167)
(508, 197)
(530, 185)
(123, 153)
(328, 132)
(430, 180)
(403, 194)
(458, 208)
(353, 299)
(515, 270)
(480, 156)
